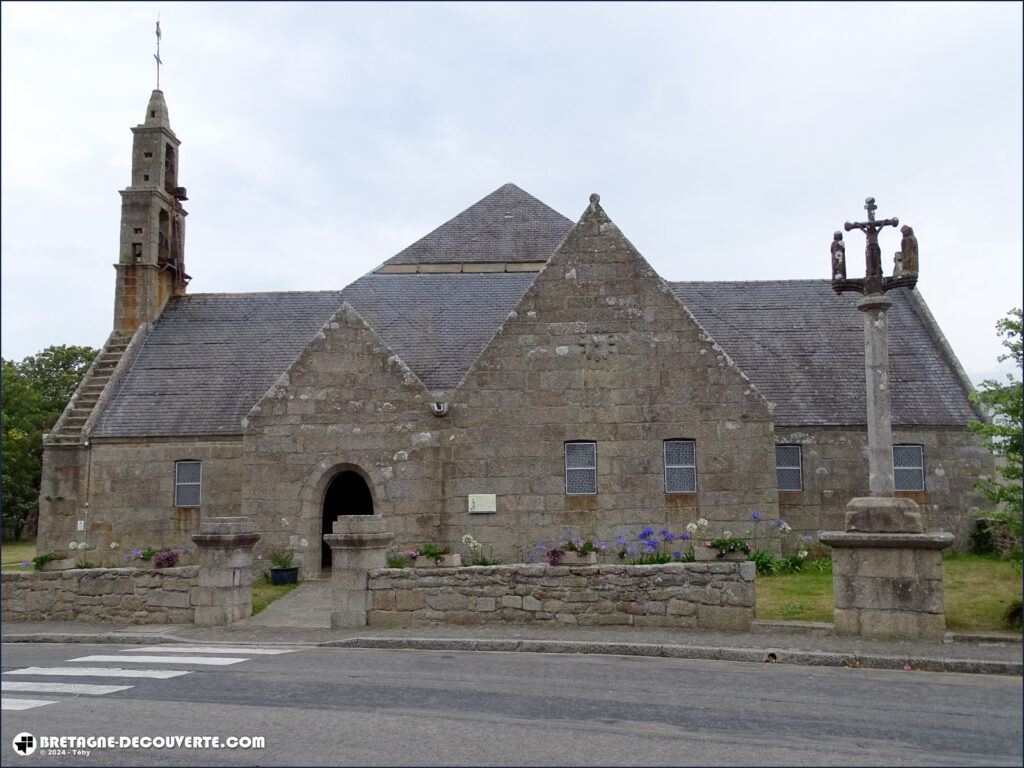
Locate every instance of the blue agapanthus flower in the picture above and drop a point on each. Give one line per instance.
(646, 533)
(756, 516)
(677, 555)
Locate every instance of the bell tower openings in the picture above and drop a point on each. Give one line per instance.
(151, 263)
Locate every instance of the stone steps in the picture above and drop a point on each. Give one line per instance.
(70, 432)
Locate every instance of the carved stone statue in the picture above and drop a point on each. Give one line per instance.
(906, 257)
(838, 257)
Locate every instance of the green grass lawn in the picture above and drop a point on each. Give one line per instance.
(977, 590)
(264, 593)
(14, 553)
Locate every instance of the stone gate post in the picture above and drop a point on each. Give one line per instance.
(224, 594)
(358, 545)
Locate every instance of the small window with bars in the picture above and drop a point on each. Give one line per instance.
(188, 483)
(680, 466)
(788, 471)
(908, 467)
(580, 468)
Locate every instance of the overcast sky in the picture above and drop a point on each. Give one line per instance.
(727, 140)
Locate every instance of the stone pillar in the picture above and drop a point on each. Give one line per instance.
(876, 373)
(358, 545)
(224, 594)
(887, 573)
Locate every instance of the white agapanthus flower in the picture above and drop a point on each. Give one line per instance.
(803, 553)
(691, 528)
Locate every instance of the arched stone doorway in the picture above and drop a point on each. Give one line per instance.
(347, 494)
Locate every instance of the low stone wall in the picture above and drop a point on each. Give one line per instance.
(710, 596)
(96, 595)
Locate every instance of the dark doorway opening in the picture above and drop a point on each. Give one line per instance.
(348, 494)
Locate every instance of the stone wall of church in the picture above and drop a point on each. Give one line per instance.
(835, 470)
(600, 350)
(62, 496)
(346, 404)
(124, 491)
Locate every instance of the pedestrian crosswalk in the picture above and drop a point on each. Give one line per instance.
(163, 662)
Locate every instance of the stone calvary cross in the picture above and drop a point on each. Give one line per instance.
(876, 343)
(886, 571)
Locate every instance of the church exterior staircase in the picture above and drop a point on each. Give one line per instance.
(69, 429)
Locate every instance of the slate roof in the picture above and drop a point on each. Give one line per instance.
(508, 225)
(803, 347)
(437, 324)
(210, 357)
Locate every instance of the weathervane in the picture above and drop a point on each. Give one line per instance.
(157, 54)
(874, 282)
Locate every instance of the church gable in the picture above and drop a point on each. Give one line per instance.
(347, 404)
(345, 361)
(600, 350)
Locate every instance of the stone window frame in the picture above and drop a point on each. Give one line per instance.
(906, 469)
(181, 485)
(672, 477)
(781, 468)
(576, 471)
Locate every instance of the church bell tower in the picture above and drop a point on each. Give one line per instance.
(151, 265)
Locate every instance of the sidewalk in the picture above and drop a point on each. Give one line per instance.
(303, 618)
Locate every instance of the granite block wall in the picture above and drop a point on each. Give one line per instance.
(99, 595)
(710, 596)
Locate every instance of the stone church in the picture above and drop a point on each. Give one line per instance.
(509, 375)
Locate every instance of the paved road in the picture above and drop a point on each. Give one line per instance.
(322, 706)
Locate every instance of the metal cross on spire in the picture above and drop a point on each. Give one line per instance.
(157, 54)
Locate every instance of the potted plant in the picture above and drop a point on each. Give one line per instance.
(49, 561)
(580, 552)
(429, 556)
(725, 548)
(282, 571)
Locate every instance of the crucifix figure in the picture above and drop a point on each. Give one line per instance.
(873, 282)
(876, 342)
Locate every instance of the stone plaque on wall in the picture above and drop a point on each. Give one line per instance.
(483, 503)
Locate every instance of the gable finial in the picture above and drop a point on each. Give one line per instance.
(157, 54)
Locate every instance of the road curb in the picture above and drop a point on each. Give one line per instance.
(707, 653)
(667, 650)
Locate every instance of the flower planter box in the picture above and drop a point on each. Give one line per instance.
(447, 561)
(65, 564)
(706, 554)
(574, 558)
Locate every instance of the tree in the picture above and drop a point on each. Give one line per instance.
(33, 393)
(56, 371)
(1004, 434)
